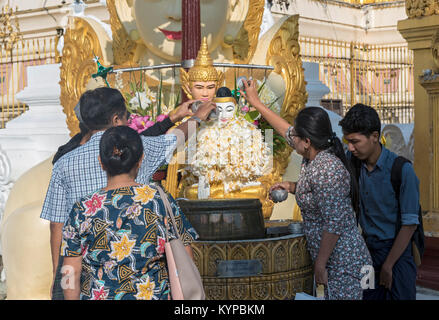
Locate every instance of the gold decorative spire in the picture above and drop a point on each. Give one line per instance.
(203, 57)
(202, 71)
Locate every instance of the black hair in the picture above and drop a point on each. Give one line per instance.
(100, 105)
(361, 119)
(72, 144)
(120, 150)
(313, 123)
(224, 92)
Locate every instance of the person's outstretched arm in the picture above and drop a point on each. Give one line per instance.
(161, 127)
(251, 95)
(200, 115)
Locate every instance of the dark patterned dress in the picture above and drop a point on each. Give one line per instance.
(323, 195)
(121, 235)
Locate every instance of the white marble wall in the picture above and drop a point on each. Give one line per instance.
(35, 135)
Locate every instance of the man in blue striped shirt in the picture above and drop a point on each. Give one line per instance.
(79, 173)
(390, 247)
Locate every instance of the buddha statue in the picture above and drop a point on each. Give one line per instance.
(148, 32)
(230, 154)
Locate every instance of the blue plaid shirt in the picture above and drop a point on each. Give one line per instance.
(79, 173)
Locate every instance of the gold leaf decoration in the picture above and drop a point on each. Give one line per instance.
(420, 8)
(284, 54)
(246, 41)
(123, 46)
(77, 66)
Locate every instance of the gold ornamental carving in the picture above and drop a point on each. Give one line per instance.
(77, 66)
(245, 43)
(421, 8)
(123, 46)
(286, 268)
(435, 50)
(284, 54)
(10, 33)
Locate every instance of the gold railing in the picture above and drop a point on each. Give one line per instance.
(13, 71)
(364, 2)
(377, 75)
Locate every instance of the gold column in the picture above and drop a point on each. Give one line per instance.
(420, 32)
(431, 219)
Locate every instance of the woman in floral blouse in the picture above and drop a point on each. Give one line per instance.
(326, 193)
(117, 234)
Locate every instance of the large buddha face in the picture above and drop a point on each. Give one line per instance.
(159, 23)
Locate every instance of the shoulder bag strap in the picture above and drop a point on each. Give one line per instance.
(168, 208)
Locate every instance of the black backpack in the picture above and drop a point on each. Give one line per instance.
(418, 238)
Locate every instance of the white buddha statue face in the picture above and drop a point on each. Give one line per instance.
(159, 24)
(225, 111)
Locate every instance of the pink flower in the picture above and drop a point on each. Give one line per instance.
(245, 109)
(161, 117)
(138, 122)
(94, 204)
(100, 294)
(132, 126)
(161, 245)
(84, 250)
(256, 122)
(149, 124)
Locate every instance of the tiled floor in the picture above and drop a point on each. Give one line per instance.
(426, 294)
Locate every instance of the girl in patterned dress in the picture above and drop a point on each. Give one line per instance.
(326, 193)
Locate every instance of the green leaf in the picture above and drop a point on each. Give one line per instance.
(271, 104)
(159, 100)
(254, 114)
(133, 88)
(262, 85)
(177, 102)
(129, 109)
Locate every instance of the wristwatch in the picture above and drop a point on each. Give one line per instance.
(195, 118)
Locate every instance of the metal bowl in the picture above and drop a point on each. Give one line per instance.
(279, 195)
(225, 219)
(296, 227)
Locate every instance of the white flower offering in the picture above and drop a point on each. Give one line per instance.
(233, 153)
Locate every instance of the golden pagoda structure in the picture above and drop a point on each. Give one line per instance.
(421, 30)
